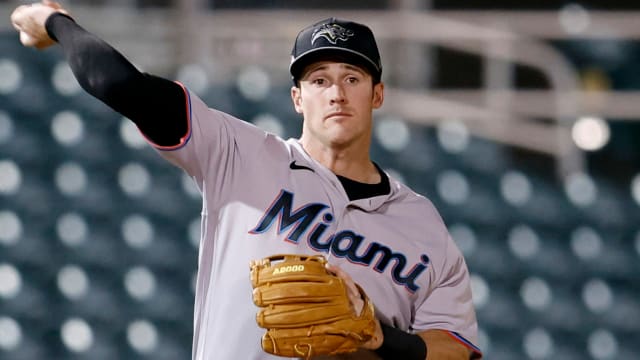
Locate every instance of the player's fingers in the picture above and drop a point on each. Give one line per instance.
(26, 39)
(22, 15)
(336, 270)
(354, 294)
(353, 290)
(17, 16)
(376, 340)
(16, 25)
(29, 20)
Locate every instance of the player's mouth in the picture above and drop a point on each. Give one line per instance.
(337, 115)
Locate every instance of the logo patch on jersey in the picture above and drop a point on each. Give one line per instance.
(295, 166)
(288, 269)
(332, 32)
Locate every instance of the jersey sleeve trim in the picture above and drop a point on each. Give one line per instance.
(475, 351)
(183, 140)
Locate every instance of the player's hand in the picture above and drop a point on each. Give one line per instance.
(357, 303)
(29, 21)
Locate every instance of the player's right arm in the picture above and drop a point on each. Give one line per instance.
(156, 105)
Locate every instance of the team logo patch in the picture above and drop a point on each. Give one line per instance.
(332, 32)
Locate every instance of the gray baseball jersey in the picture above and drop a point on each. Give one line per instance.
(263, 195)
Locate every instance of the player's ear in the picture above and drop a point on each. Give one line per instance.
(296, 98)
(378, 95)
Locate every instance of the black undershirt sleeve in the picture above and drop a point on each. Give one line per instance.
(156, 105)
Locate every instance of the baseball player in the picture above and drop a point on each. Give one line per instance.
(318, 194)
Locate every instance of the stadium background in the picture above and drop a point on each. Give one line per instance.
(518, 121)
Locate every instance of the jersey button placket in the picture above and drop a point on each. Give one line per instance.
(338, 220)
(340, 224)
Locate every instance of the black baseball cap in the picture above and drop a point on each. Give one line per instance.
(336, 39)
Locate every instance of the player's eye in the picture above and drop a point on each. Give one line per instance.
(318, 81)
(352, 79)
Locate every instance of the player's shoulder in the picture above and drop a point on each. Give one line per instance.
(407, 197)
(408, 201)
(422, 217)
(245, 133)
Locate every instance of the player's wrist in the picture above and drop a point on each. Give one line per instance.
(398, 344)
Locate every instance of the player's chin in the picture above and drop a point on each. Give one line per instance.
(342, 142)
(339, 134)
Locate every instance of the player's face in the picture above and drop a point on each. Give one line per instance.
(337, 102)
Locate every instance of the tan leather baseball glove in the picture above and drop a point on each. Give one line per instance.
(305, 309)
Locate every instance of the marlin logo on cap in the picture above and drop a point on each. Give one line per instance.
(332, 32)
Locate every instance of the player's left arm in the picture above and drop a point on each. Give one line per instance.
(446, 319)
(443, 345)
(391, 343)
(449, 303)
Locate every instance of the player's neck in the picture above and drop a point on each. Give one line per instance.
(351, 162)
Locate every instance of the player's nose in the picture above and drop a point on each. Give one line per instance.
(337, 94)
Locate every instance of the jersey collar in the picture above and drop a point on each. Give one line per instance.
(300, 155)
